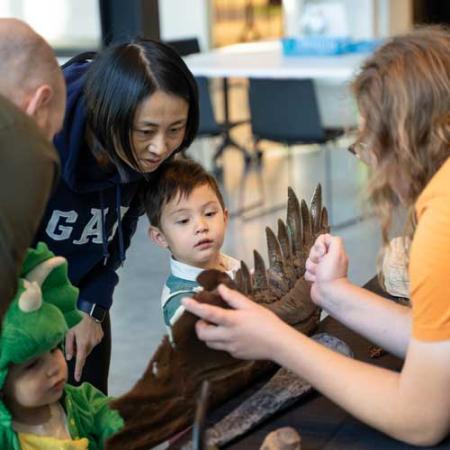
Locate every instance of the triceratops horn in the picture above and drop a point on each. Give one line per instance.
(260, 275)
(316, 208)
(276, 261)
(294, 221)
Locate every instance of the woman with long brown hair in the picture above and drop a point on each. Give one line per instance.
(403, 95)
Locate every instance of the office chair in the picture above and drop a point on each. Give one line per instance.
(286, 111)
(185, 47)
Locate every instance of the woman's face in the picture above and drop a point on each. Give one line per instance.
(159, 128)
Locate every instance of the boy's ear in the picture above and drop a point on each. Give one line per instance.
(225, 215)
(157, 236)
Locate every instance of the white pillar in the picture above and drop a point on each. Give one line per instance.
(183, 19)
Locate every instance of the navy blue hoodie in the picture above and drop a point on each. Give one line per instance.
(92, 214)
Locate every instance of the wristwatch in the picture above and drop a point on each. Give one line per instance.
(97, 312)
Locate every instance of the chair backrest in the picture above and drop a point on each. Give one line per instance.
(185, 47)
(208, 125)
(285, 110)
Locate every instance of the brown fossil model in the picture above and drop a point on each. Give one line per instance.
(162, 403)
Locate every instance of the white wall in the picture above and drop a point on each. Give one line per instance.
(63, 23)
(183, 19)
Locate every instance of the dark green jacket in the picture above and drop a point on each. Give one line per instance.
(29, 167)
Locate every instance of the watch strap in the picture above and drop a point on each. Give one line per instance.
(95, 311)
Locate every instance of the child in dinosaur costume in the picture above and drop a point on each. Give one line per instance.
(38, 410)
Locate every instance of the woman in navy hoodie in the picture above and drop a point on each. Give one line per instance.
(128, 110)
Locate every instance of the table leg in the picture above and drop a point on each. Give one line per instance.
(227, 140)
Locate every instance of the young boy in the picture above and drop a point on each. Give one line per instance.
(188, 216)
(37, 409)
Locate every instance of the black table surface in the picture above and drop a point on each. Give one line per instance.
(322, 424)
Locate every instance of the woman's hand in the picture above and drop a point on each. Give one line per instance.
(247, 331)
(326, 264)
(80, 340)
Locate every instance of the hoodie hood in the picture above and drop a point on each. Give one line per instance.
(79, 168)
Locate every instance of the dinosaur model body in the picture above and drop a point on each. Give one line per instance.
(162, 403)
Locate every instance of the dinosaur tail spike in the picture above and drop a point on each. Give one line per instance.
(316, 208)
(260, 281)
(306, 222)
(276, 260)
(246, 279)
(294, 221)
(283, 238)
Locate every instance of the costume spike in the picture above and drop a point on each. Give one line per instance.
(246, 279)
(306, 222)
(238, 279)
(259, 275)
(324, 226)
(316, 208)
(276, 262)
(283, 238)
(294, 221)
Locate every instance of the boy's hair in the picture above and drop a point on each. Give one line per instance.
(177, 177)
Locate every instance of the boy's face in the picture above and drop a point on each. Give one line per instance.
(36, 383)
(193, 228)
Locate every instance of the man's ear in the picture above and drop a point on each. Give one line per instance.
(37, 104)
(157, 236)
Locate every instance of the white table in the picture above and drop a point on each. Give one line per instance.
(266, 60)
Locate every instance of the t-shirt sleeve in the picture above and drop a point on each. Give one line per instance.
(429, 271)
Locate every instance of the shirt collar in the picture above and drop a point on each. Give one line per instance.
(190, 273)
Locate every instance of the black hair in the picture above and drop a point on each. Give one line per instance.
(119, 79)
(177, 177)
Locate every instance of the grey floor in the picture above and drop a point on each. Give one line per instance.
(137, 324)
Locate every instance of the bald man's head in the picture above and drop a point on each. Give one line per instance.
(30, 76)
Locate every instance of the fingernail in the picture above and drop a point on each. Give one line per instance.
(68, 357)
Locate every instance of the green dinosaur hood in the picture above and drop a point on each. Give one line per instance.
(39, 315)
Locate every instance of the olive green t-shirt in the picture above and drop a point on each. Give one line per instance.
(29, 168)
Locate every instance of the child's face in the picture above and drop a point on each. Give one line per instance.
(193, 228)
(37, 382)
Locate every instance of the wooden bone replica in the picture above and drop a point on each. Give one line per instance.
(162, 403)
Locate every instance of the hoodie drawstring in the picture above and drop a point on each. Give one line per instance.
(119, 224)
